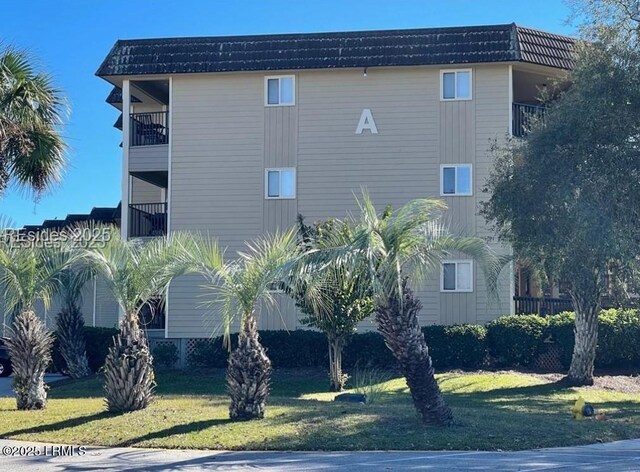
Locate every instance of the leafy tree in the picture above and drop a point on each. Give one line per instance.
(31, 112)
(346, 306)
(568, 196)
(408, 242)
(239, 287)
(27, 275)
(70, 321)
(136, 272)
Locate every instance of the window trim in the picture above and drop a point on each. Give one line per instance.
(455, 85)
(280, 169)
(456, 262)
(266, 90)
(456, 193)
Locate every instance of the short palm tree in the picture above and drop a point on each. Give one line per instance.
(240, 286)
(32, 152)
(411, 241)
(29, 275)
(136, 273)
(70, 321)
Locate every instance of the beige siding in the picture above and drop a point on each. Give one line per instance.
(149, 158)
(224, 138)
(107, 310)
(144, 192)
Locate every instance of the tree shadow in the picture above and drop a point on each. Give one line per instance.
(68, 423)
(184, 428)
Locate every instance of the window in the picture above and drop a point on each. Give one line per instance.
(280, 183)
(457, 276)
(455, 84)
(456, 179)
(279, 90)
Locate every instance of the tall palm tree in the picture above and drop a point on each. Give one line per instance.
(240, 286)
(136, 273)
(29, 275)
(32, 152)
(70, 322)
(408, 242)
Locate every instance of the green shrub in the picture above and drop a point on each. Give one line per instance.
(165, 355)
(456, 347)
(560, 329)
(98, 341)
(367, 350)
(300, 348)
(618, 338)
(209, 353)
(516, 340)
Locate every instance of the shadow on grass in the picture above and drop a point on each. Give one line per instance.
(184, 428)
(60, 425)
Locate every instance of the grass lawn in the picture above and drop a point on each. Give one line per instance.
(492, 410)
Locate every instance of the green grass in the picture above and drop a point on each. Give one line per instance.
(492, 410)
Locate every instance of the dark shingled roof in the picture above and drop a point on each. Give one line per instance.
(115, 97)
(436, 46)
(106, 215)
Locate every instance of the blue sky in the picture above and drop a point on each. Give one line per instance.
(70, 38)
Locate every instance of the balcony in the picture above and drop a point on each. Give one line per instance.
(524, 116)
(149, 129)
(147, 220)
(541, 306)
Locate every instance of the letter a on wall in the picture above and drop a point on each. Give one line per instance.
(366, 122)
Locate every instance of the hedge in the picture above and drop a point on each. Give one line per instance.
(508, 341)
(98, 341)
(451, 346)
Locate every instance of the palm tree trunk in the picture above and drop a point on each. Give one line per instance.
(336, 378)
(586, 341)
(29, 345)
(398, 324)
(128, 369)
(70, 334)
(248, 374)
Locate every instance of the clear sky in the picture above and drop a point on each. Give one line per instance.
(70, 38)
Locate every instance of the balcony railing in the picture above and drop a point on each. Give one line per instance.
(147, 220)
(524, 116)
(149, 129)
(541, 306)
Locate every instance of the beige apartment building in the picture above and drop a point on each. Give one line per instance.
(236, 136)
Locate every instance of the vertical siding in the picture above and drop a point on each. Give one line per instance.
(280, 150)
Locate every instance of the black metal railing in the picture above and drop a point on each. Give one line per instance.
(152, 314)
(147, 219)
(149, 129)
(524, 116)
(541, 306)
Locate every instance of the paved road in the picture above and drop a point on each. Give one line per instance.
(618, 456)
(5, 384)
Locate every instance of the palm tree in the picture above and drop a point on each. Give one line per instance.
(32, 152)
(411, 241)
(136, 273)
(239, 287)
(27, 275)
(70, 322)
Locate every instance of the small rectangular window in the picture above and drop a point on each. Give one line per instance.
(457, 276)
(280, 183)
(455, 84)
(280, 90)
(456, 180)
